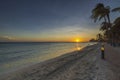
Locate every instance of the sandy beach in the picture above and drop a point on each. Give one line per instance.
(60, 40)
(84, 64)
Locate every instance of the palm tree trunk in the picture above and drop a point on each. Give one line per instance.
(105, 18)
(112, 39)
(108, 17)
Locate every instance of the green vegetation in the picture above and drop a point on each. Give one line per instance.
(110, 31)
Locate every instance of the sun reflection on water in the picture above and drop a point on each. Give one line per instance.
(78, 48)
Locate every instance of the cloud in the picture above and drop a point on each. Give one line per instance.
(6, 39)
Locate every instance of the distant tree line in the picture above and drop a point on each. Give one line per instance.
(110, 31)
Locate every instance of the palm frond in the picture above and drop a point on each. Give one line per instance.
(116, 9)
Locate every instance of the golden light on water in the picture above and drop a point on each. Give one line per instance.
(78, 48)
(77, 40)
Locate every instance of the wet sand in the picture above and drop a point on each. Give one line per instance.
(78, 65)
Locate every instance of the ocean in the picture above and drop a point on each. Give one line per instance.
(16, 55)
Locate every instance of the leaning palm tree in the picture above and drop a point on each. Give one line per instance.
(102, 12)
(97, 12)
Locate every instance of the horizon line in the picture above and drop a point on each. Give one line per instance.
(45, 42)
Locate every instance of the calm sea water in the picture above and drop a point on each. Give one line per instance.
(16, 55)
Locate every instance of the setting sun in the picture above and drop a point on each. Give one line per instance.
(77, 40)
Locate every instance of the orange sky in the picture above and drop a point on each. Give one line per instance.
(55, 39)
(50, 20)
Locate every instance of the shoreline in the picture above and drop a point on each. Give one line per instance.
(18, 60)
(40, 63)
(47, 60)
(21, 70)
(85, 64)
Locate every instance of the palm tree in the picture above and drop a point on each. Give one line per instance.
(104, 29)
(105, 26)
(102, 12)
(116, 26)
(97, 12)
(99, 37)
(116, 30)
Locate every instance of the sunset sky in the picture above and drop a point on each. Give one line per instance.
(49, 20)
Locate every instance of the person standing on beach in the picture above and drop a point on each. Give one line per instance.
(102, 51)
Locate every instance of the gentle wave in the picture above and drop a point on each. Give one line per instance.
(14, 55)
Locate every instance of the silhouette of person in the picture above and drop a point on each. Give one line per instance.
(102, 51)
